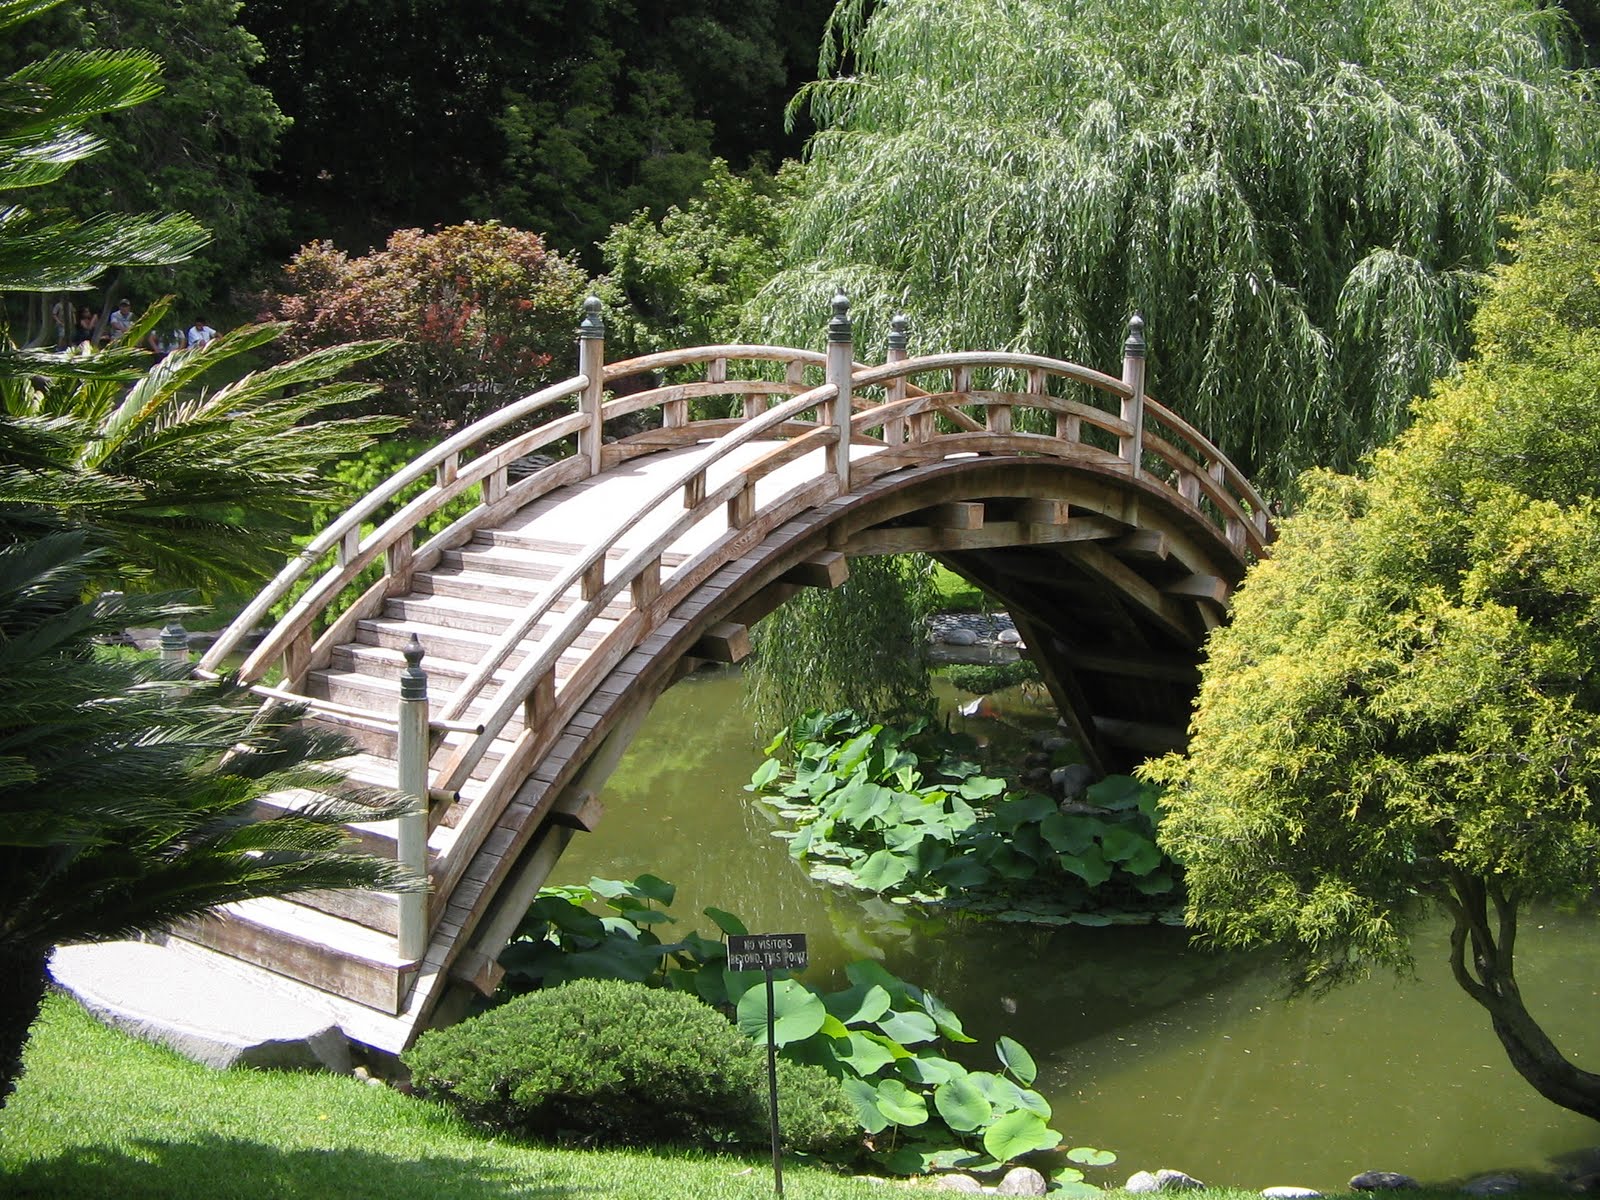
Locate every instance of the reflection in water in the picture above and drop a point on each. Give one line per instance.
(1169, 1055)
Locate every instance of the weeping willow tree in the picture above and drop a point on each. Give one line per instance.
(1301, 197)
(861, 646)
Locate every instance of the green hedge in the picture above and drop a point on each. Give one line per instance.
(609, 1062)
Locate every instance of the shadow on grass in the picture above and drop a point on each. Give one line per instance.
(217, 1168)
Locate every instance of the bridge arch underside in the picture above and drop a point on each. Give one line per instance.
(1112, 587)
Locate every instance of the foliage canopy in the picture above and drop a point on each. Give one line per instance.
(127, 794)
(476, 313)
(1301, 198)
(1406, 704)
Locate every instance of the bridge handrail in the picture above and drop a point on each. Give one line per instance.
(736, 351)
(1213, 473)
(514, 693)
(353, 518)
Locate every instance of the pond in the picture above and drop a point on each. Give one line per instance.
(1169, 1055)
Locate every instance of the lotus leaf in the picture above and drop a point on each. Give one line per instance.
(900, 1104)
(797, 1013)
(1018, 1133)
(1016, 1059)
(962, 1104)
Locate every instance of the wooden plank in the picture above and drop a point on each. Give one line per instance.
(724, 642)
(825, 569)
(994, 535)
(1042, 512)
(478, 971)
(1142, 545)
(1129, 666)
(964, 514)
(1200, 587)
(580, 810)
(1161, 609)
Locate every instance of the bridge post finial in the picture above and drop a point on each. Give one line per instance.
(1134, 347)
(839, 329)
(411, 842)
(899, 332)
(593, 324)
(413, 680)
(174, 643)
(841, 366)
(591, 365)
(1133, 352)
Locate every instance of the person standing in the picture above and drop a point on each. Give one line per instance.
(200, 334)
(121, 319)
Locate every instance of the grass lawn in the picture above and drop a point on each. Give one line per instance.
(955, 594)
(100, 1114)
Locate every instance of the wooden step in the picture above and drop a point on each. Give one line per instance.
(451, 612)
(445, 675)
(378, 693)
(512, 591)
(376, 838)
(440, 643)
(504, 560)
(552, 549)
(327, 952)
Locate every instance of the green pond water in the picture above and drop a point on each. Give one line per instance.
(1169, 1055)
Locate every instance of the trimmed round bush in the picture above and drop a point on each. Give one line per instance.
(610, 1062)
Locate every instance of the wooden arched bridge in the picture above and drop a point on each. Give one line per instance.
(612, 542)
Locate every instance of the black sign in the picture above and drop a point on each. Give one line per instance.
(766, 951)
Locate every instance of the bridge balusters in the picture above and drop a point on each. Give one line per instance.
(716, 373)
(412, 840)
(841, 365)
(397, 559)
(1132, 444)
(997, 418)
(591, 364)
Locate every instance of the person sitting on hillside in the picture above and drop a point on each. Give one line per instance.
(121, 319)
(200, 334)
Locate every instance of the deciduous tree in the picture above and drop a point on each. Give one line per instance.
(1404, 713)
(478, 314)
(195, 146)
(1300, 197)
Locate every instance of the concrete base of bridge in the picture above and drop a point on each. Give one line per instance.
(202, 1005)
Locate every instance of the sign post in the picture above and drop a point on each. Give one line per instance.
(769, 952)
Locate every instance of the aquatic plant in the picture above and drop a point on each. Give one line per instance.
(887, 1040)
(908, 814)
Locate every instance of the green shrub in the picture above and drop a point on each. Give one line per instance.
(610, 1062)
(813, 1114)
(982, 678)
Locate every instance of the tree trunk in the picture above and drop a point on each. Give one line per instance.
(1490, 979)
(22, 984)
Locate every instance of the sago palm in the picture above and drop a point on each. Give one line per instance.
(127, 794)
